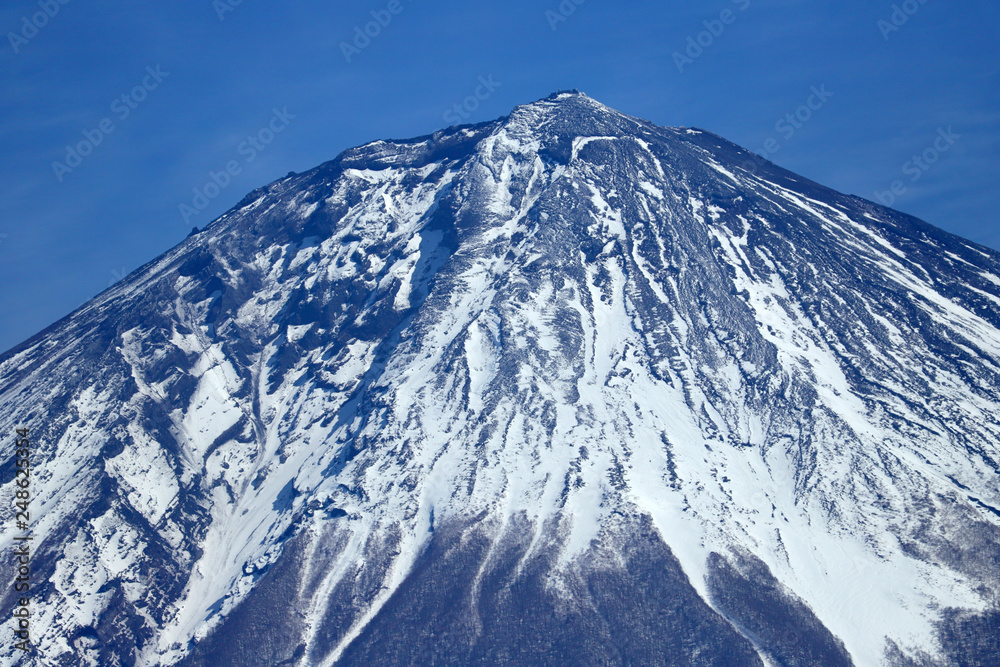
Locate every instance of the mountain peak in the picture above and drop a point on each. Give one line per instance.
(563, 94)
(570, 101)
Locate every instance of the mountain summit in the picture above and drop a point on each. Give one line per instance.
(563, 388)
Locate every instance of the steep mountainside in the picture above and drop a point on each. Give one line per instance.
(565, 388)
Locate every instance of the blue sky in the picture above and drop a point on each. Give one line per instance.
(201, 77)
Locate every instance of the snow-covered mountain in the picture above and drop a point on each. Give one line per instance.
(565, 388)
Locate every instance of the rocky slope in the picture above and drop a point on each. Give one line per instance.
(565, 388)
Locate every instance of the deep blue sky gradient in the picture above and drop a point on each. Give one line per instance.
(61, 243)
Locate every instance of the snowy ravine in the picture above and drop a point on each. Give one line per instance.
(565, 388)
